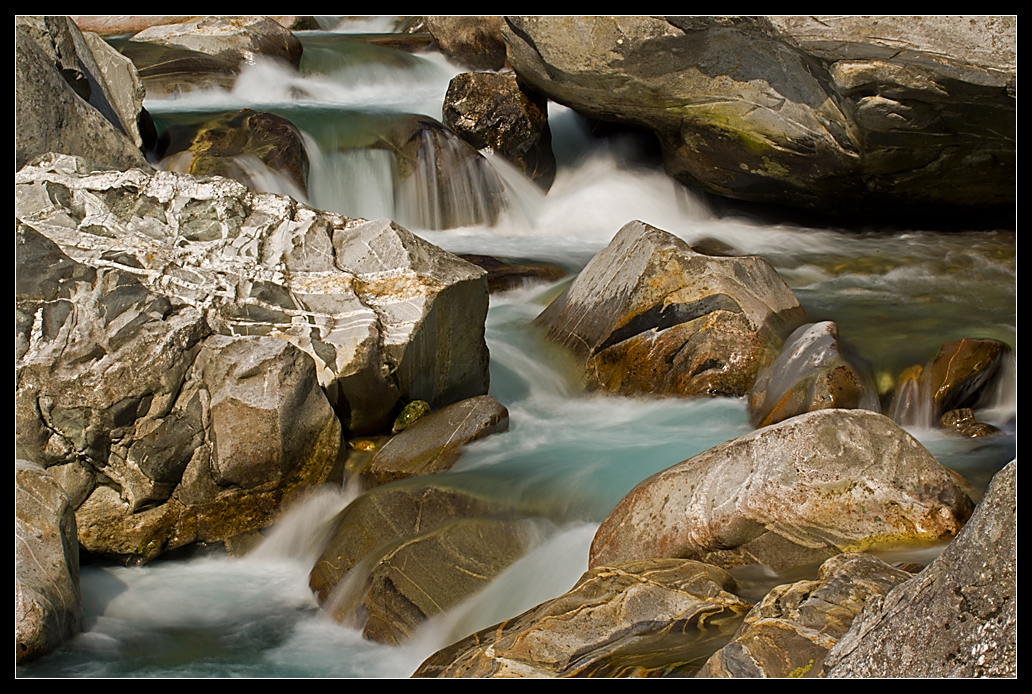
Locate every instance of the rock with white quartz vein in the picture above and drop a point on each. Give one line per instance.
(385, 315)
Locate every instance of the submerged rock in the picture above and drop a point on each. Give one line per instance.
(958, 617)
(650, 315)
(788, 633)
(792, 493)
(631, 618)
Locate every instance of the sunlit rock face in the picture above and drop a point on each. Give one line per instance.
(627, 619)
(384, 314)
(958, 617)
(792, 493)
(650, 315)
(789, 631)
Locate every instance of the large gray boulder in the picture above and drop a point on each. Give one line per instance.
(163, 436)
(648, 314)
(822, 113)
(47, 601)
(75, 95)
(384, 315)
(789, 494)
(958, 617)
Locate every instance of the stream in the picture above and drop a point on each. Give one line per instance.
(896, 294)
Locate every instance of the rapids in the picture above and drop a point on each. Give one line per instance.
(897, 295)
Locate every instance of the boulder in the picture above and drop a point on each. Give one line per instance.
(631, 618)
(385, 516)
(72, 96)
(789, 494)
(788, 632)
(958, 617)
(811, 373)
(962, 375)
(245, 146)
(424, 575)
(492, 111)
(824, 113)
(47, 601)
(163, 437)
(433, 443)
(472, 41)
(650, 315)
(385, 315)
(208, 51)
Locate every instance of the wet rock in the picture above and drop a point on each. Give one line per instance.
(432, 444)
(788, 633)
(472, 41)
(963, 374)
(811, 373)
(827, 113)
(443, 182)
(958, 617)
(650, 315)
(493, 111)
(796, 492)
(385, 515)
(404, 552)
(631, 618)
(229, 145)
(429, 573)
(503, 274)
(208, 51)
(47, 601)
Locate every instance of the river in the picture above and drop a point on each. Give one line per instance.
(896, 294)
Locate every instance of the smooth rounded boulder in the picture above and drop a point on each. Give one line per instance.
(790, 494)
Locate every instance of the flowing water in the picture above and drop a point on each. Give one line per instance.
(568, 457)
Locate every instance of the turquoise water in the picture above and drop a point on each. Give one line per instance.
(568, 456)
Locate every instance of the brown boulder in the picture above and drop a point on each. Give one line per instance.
(650, 315)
